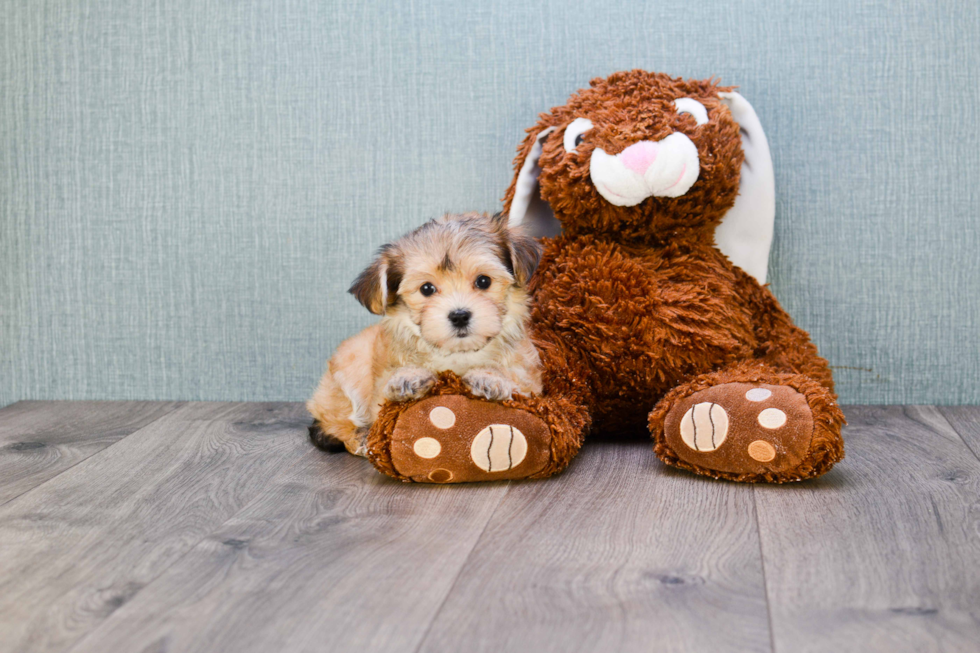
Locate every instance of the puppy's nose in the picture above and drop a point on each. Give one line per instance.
(460, 318)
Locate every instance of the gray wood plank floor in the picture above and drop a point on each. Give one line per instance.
(133, 526)
(39, 441)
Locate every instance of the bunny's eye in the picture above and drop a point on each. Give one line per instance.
(693, 107)
(575, 133)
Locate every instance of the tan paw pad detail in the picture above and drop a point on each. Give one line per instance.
(772, 418)
(762, 451)
(704, 426)
(758, 394)
(427, 447)
(440, 476)
(442, 418)
(498, 448)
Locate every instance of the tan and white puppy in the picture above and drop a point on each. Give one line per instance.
(452, 297)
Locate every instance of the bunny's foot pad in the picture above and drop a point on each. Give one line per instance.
(741, 428)
(455, 439)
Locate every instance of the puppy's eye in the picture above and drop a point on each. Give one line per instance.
(427, 289)
(483, 282)
(575, 133)
(692, 107)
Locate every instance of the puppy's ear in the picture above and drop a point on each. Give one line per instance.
(377, 287)
(522, 253)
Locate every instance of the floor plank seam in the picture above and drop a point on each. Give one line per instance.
(762, 561)
(965, 442)
(462, 567)
(94, 453)
(95, 631)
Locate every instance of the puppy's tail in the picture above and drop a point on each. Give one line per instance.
(323, 440)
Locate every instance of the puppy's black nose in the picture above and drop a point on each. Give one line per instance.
(460, 318)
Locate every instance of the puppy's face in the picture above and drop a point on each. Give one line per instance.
(457, 282)
(459, 301)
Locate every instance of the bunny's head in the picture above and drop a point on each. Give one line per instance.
(639, 157)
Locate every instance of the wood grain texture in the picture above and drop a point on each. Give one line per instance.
(331, 556)
(218, 528)
(966, 421)
(883, 553)
(77, 548)
(39, 440)
(619, 553)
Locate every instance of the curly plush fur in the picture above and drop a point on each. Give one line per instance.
(634, 309)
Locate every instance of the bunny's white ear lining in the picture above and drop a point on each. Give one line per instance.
(527, 207)
(745, 233)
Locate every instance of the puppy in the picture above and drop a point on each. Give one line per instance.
(452, 297)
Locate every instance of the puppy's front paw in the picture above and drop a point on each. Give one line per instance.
(489, 385)
(409, 383)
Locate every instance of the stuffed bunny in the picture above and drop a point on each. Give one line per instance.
(654, 197)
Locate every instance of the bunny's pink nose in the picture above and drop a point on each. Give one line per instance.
(638, 156)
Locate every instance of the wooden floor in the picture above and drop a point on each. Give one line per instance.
(216, 527)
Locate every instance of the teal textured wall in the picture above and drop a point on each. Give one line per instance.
(187, 188)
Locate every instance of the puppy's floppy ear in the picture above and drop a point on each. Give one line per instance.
(377, 287)
(521, 253)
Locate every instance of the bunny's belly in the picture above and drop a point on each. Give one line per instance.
(639, 320)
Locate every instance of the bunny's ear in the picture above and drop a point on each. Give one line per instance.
(523, 202)
(745, 233)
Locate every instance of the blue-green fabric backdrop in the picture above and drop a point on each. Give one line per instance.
(188, 187)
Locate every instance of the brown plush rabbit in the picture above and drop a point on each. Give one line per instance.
(649, 308)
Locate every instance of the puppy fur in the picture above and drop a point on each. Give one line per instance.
(452, 296)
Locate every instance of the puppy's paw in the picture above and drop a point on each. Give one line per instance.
(489, 385)
(361, 443)
(409, 383)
